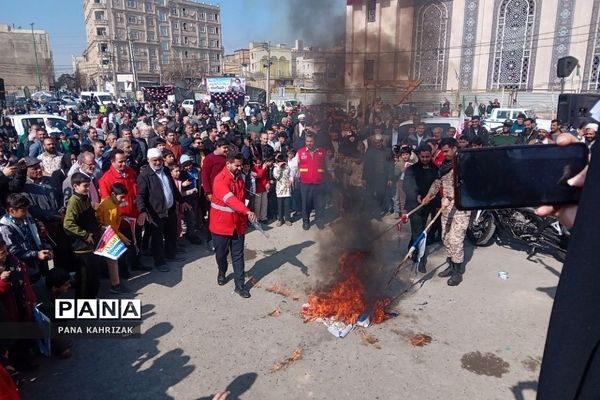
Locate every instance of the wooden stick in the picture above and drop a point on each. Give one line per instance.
(414, 210)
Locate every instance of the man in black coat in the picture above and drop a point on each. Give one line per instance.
(378, 173)
(476, 130)
(571, 363)
(157, 199)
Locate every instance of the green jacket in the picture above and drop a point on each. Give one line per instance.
(80, 220)
(504, 140)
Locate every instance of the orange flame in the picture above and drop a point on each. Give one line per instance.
(345, 300)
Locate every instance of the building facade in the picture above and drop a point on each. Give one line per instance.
(473, 45)
(19, 67)
(137, 43)
(237, 63)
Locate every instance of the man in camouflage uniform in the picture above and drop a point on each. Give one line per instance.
(454, 222)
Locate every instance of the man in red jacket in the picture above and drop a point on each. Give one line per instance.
(213, 165)
(312, 168)
(120, 172)
(228, 220)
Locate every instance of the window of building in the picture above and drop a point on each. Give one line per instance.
(140, 66)
(213, 43)
(150, 21)
(202, 29)
(164, 31)
(371, 10)
(211, 17)
(151, 35)
(185, 26)
(212, 29)
(202, 16)
(131, 3)
(204, 56)
(175, 25)
(134, 35)
(185, 40)
(153, 52)
(369, 70)
(153, 67)
(162, 16)
(148, 7)
(120, 18)
(136, 51)
(185, 54)
(103, 47)
(101, 31)
(214, 57)
(105, 62)
(117, 3)
(175, 39)
(131, 19)
(122, 49)
(162, 2)
(164, 45)
(202, 42)
(99, 16)
(174, 10)
(215, 69)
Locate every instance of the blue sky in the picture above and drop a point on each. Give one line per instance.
(242, 21)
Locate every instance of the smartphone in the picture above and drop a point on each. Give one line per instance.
(517, 176)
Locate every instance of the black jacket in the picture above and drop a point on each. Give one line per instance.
(482, 132)
(45, 204)
(571, 363)
(417, 181)
(12, 184)
(150, 196)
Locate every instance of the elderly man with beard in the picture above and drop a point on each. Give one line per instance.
(229, 218)
(137, 153)
(86, 164)
(156, 200)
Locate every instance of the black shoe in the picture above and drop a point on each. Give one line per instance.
(221, 279)
(460, 267)
(448, 271)
(455, 279)
(421, 266)
(243, 292)
(306, 226)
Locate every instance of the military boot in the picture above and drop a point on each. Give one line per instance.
(448, 271)
(456, 277)
(422, 263)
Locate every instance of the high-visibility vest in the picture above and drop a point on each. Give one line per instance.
(312, 165)
(227, 208)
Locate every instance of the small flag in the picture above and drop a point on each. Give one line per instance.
(419, 245)
(110, 246)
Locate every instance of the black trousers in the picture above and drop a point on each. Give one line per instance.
(63, 254)
(163, 240)
(313, 196)
(377, 196)
(283, 208)
(87, 277)
(235, 244)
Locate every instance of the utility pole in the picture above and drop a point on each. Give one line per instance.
(135, 85)
(268, 100)
(113, 59)
(37, 65)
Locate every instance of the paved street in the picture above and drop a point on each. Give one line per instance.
(487, 335)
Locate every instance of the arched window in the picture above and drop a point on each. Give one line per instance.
(431, 45)
(513, 48)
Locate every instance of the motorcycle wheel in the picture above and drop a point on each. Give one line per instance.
(482, 233)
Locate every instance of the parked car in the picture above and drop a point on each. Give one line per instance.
(188, 105)
(52, 123)
(499, 115)
(441, 122)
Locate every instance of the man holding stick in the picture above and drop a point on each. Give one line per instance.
(454, 222)
(229, 218)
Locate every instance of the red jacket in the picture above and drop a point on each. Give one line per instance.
(439, 159)
(262, 178)
(227, 208)
(8, 299)
(312, 165)
(212, 166)
(176, 149)
(129, 179)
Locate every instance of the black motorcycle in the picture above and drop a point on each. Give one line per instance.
(519, 226)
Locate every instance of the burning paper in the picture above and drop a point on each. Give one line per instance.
(345, 301)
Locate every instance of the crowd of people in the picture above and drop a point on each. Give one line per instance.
(163, 178)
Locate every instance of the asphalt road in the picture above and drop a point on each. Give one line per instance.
(487, 335)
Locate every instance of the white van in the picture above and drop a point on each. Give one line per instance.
(52, 123)
(105, 98)
(499, 115)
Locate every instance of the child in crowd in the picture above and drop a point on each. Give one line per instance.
(250, 182)
(20, 232)
(283, 190)
(84, 231)
(108, 214)
(189, 173)
(186, 189)
(401, 162)
(261, 169)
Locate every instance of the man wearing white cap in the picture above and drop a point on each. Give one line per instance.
(590, 134)
(156, 200)
(298, 139)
